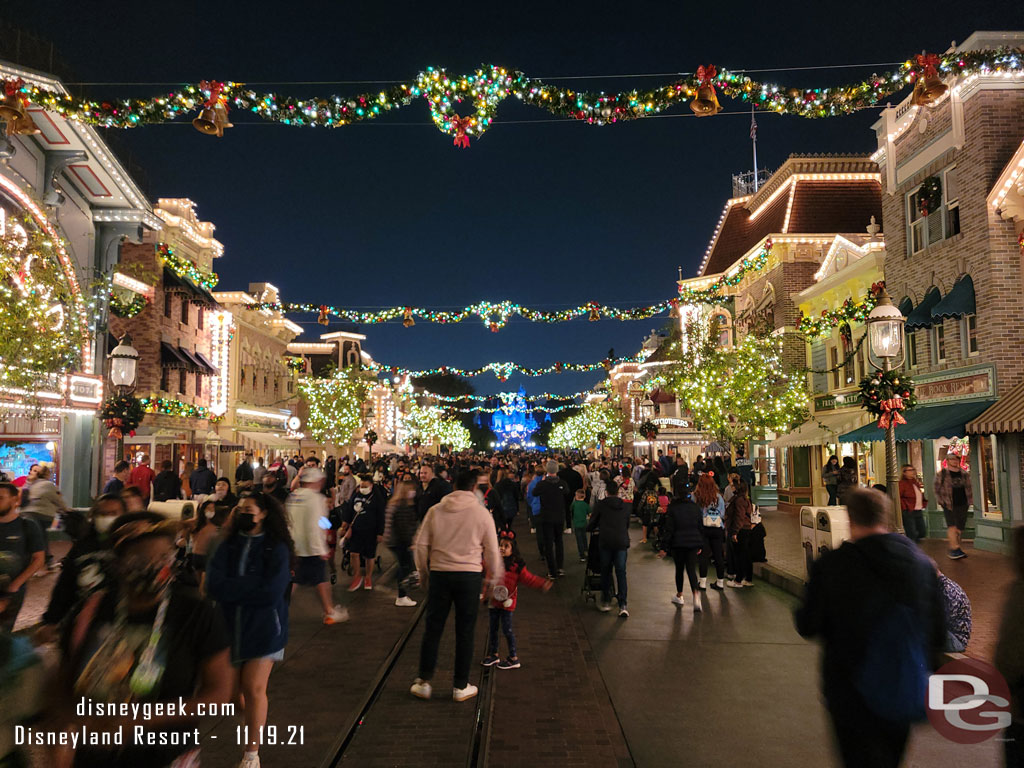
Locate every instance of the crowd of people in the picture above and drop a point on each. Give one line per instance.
(152, 608)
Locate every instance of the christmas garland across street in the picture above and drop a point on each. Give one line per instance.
(489, 85)
(502, 370)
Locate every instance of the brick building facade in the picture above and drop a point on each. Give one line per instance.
(173, 336)
(957, 274)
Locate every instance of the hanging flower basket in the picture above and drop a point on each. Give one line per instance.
(885, 395)
(648, 429)
(122, 415)
(929, 196)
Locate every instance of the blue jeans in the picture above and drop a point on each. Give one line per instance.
(501, 617)
(613, 558)
(914, 525)
(581, 541)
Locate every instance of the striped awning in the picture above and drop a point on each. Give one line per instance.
(1007, 415)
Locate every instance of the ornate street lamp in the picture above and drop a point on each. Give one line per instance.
(124, 363)
(647, 414)
(885, 333)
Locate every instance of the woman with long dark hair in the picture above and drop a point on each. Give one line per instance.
(249, 577)
(739, 525)
(209, 520)
(830, 477)
(712, 510)
(681, 535)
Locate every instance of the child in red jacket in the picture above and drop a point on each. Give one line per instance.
(504, 598)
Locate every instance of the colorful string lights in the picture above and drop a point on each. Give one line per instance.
(502, 370)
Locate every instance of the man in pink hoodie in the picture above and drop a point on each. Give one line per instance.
(454, 541)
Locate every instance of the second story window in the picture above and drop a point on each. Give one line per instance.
(199, 318)
(939, 195)
(834, 365)
(184, 311)
(970, 334)
(912, 349)
(182, 382)
(199, 385)
(939, 341)
(167, 304)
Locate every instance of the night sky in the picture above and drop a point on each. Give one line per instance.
(550, 214)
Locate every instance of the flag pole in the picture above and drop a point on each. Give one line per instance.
(753, 139)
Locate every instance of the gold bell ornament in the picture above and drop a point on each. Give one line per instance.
(928, 88)
(706, 101)
(21, 126)
(322, 317)
(213, 118)
(12, 106)
(407, 318)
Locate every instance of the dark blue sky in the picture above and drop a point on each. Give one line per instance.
(549, 214)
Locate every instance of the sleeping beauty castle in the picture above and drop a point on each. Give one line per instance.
(513, 422)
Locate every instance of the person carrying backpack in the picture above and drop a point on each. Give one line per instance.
(877, 605)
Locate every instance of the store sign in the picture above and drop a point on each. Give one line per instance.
(666, 422)
(838, 400)
(956, 385)
(85, 390)
(231, 448)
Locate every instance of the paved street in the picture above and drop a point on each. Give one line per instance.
(661, 687)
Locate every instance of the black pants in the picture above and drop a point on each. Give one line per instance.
(553, 548)
(686, 561)
(447, 588)
(865, 740)
(833, 496)
(744, 565)
(714, 549)
(403, 557)
(538, 526)
(914, 525)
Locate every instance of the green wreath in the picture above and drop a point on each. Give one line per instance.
(878, 388)
(127, 307)
(648, 429)
(929, 196)
(122, 415)
(370, 437)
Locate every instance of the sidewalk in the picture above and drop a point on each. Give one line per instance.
(984, 576)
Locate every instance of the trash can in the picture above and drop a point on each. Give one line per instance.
(807, 536)
(832, 528)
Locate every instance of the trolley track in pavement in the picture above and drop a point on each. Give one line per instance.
(370, 714)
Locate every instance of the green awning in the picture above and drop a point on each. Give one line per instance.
(906, 306)
(924, 423)
(958, 302)
(921, 316)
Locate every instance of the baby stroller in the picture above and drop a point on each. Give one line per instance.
(592, 572)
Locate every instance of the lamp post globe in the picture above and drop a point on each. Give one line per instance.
(124, 362)
(885, 334)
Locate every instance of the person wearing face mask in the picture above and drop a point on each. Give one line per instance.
(346, 486)
(205, 536)
(249, 578)
(142, 639)
(85, 567)
(362, 526)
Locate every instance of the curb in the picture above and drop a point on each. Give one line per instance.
(784, 580)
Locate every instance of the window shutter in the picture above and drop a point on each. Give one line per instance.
(819, 361)
(935, 226)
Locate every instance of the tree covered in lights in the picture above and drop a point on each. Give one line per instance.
(335, 405)
(41, 328)
(431, 423)
(596, 423)
(735, 393)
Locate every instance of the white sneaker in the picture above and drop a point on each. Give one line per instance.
(720, 584)
(405, 602)
(747, 583)
(734, 583)
(336, 616)
(604, 607)
(533, 530)
(461, 694)
(568, 530)
(702, 583)
(420, 689)
(623, 613)
(696, 605)
(677, 600)
(250, 760)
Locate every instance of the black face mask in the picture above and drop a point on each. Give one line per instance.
(246, 522)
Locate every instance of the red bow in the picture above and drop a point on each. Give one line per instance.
(461, 125)
(891, 408)
(705, 75)
(216, 90)
(928, 64)
(13, 87)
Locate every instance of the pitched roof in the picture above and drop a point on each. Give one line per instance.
(807, 195)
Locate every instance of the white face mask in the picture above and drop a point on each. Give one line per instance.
(103, 523)
(365, 489)
(210, 513)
